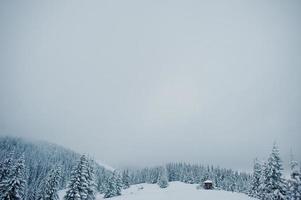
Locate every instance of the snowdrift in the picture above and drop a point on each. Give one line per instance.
(175, 191)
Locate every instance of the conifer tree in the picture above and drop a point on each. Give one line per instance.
(163, 178)
(274, 181)
(110, 190)
(263, 180)
(91, 180)
(51, 185)
(125, 179)
(102, 185)
(255, 182)
(119, 182)
(6, 166)
(294, 183)
(12, 187)
(81, 186)
(114, 185)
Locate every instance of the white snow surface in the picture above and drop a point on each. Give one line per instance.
(175, 191)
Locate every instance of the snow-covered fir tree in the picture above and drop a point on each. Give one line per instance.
(163, 178)
(51, 185)
(6, 166)
(91, 179)
(111, 187)
(263, 180)
(102, 176)
(294, 183)
(12, 187)
(114, 185)
(274, 183)
(255, 182)
(81, 186)
(125, 179)
(188, 175)
(119, 181)
(102, 184)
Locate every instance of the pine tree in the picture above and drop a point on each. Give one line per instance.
(6, 166)
(294, 184)
(13, 186)
(255, 184)
(91, 180)
(232, 183)
(102, 185)
(110, 190)
(125, 179)
(274, 182)
(51, 184)
(81, 186)
(263, 181)
(163, 178)
(114, 185)
(119, 183)
(101, 180)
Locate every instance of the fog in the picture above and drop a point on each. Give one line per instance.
(137, 83)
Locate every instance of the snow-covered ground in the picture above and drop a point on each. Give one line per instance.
(175, 191)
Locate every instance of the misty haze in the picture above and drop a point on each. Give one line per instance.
(150, 100)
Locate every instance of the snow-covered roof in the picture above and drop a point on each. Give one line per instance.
(208, 181)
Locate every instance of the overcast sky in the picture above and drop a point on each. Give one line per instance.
(137, 83)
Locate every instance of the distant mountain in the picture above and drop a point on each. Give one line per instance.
(40, 157)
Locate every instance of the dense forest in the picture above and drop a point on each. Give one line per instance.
(38, 170)
(225, 179)
(39, 159)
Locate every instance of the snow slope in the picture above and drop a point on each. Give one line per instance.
(175, 191)
(107, 167)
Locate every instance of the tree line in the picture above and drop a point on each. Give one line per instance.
(224, 179)
(86, 178)
(268, 182)
(41, 162)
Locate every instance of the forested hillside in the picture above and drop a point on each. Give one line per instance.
(40, 158)
(38, 170)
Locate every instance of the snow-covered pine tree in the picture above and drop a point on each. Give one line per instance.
(189, 176)
(91, 180)
(274, 180)
(294, 183)
(125, 179)
(119, 182)
(51, 185)
(114, 185)
(255, 182)
(102, 176)
(231, 183)
(110, 189)
(6, 166)
(163, 178)
(263, 181)
(102, 185)
(81, 185)
(13, 186)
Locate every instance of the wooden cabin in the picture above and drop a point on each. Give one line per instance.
(208, 185)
